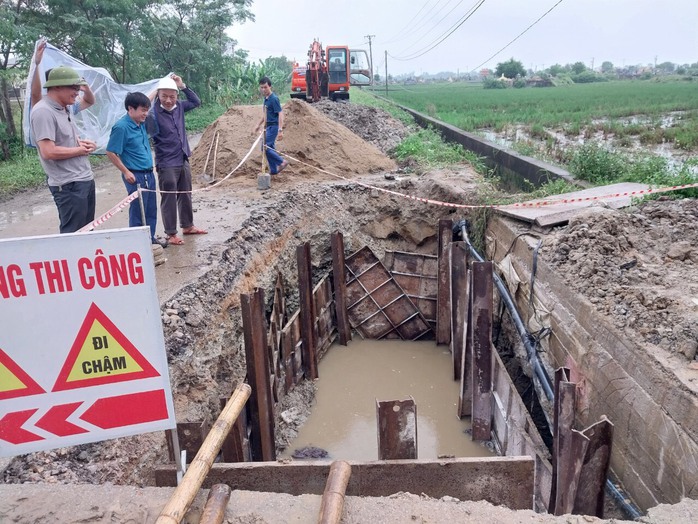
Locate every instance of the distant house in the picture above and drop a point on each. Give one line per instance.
(539, 81)
(506, 81)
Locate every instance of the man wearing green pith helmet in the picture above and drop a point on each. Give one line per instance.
(62, 152)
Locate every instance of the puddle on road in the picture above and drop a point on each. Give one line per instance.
(343, 418)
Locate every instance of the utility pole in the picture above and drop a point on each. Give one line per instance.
(592, 63)
(386, 73)
(370, 54)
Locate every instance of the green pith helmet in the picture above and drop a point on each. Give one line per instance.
(64, 76)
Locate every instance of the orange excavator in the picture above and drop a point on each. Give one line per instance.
(329, 73)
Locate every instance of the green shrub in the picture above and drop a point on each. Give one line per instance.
(428, 149)
(596, 164)
(494, 83)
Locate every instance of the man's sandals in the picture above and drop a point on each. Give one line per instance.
(193, 230)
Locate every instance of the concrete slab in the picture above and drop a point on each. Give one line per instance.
(558, 209)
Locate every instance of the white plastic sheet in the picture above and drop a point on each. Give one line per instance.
(95, 122)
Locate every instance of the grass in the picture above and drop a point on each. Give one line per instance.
(620, 111)
(600, 166)
(571, 108)
(202, 117)
(22, 172)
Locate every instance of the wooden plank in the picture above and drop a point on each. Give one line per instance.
(459, 303)
(307, 310)
(340, 287)
(258, 376)
(397, 429)
(482, 350)
(592, 480)
(443, 294)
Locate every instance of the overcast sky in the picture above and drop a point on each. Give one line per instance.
(625, 32)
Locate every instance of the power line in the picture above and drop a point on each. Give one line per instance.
(444, 35)
(403, 32)
(435, 26)
(519, 36)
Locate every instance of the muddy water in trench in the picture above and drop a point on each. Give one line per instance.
(343, 418)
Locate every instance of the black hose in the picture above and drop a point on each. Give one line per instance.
(527, 339)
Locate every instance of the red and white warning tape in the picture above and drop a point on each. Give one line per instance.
(113, 211)
(531, 204)
(133, 196)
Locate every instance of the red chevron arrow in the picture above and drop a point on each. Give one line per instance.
(55, 420)
(126, 410)
(11, 427)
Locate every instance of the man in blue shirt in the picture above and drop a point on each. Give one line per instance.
(273, 121)
(129, 150)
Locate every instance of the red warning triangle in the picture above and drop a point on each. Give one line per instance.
(101, 354)
(14, 381)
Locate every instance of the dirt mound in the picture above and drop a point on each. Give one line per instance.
(639, 268)
(309, 136)
(374, 125)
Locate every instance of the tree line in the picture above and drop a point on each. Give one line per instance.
(134, 40)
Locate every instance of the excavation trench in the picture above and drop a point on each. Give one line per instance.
(631, 358)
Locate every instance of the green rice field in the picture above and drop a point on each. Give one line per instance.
(573, 109)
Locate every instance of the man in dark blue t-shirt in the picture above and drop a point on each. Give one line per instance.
(129, 150)
(273, 120)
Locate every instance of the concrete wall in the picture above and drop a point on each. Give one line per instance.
(655, 413)
(505, 481)
(508, 164)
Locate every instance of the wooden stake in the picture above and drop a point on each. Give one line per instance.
(185, 493)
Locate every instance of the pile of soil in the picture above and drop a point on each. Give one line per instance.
(374, 125)
(309, 136)
(639, 268)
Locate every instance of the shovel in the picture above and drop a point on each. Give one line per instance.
(205, 177)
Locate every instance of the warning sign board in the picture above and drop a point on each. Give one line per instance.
(101, 354)
(14, 382)
(82, 355)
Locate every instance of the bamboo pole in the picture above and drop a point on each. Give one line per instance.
(214, 510)
(333, 497)
(184, 494)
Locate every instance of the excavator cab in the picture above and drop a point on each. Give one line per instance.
(359, 68)
(338, 72)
